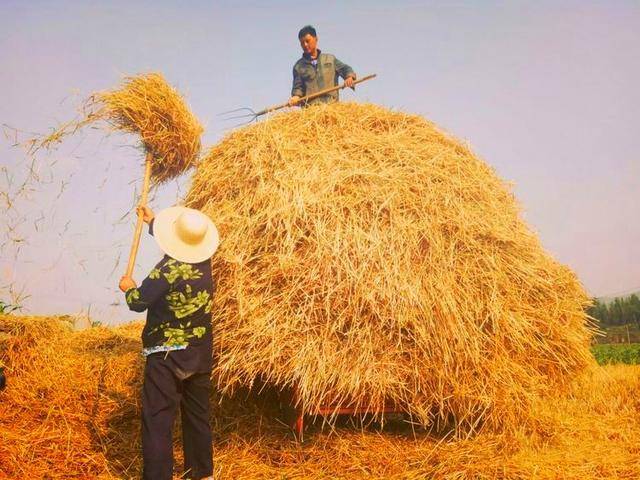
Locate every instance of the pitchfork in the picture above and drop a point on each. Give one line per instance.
(254, 115)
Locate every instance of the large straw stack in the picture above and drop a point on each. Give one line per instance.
(368, 257)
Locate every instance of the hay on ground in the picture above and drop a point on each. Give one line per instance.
(367, 257)
(71, 411)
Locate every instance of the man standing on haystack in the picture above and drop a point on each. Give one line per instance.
(316, 71)
(177, 341)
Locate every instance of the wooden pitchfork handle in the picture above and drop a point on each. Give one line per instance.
(315, 95)
(143, 202)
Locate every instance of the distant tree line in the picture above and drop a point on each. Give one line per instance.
(620, 311)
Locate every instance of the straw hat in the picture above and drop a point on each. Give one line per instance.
(185, 234)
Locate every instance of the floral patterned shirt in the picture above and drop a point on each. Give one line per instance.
(178, 298)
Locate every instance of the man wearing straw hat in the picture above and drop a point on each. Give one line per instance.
(316, 71)
(177, 341)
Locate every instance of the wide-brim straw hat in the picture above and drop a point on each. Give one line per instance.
(185, 234)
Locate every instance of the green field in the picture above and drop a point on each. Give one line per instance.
(628, 353)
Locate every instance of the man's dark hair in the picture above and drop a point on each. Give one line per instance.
(307, 29)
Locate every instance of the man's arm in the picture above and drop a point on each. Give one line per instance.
(139, 299)
(147, 216)
(297, 89)
(152, 288)
(345, 71)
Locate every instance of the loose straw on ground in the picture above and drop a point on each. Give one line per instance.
(71, 411)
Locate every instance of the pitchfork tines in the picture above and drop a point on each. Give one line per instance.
(252, 115)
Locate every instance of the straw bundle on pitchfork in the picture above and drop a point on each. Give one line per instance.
(146, 105)
(170, 133)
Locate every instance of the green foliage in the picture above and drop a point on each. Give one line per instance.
(620, 311)
(617, 353)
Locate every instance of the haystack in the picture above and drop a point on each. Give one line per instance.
(368, 257)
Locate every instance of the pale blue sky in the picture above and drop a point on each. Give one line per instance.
(548, 93)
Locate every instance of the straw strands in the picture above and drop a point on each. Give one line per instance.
(146, 105)
(71, 410)
(367, 257)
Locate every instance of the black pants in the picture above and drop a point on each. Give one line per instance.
(168, 384)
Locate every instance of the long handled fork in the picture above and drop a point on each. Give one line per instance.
(251, 115)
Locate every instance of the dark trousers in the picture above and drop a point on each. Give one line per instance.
(166, 385)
